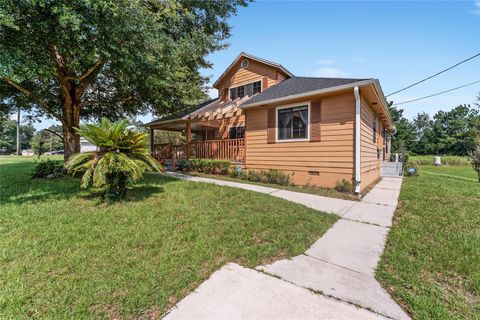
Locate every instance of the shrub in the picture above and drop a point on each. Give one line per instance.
(344, 186)
(48, 169)
(265, 176)
(183, 165)
(121, 160)
(209, 165)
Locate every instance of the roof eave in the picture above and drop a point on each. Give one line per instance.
(308, 94)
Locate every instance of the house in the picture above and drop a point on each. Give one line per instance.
(320, 130)
(86, 146)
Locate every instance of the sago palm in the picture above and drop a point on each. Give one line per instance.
(121, 159)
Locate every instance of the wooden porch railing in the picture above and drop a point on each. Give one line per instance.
(228, 149)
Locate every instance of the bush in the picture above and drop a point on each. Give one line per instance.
(407, 173)
(446, 160)
(344, 186)
(48, 169)
(209, 165)
(265, 176)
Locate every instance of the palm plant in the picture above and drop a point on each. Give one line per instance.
(120, 161)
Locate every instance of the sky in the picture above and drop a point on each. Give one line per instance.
(397, 42)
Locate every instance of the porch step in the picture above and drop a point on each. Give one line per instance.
(391, 169)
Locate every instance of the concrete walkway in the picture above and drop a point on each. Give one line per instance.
(333, 279)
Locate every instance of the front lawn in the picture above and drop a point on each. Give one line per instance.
(431, 265)
(65, 254)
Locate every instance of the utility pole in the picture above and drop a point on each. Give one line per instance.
(19, 151)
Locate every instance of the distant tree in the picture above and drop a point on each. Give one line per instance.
(88, 59)
(405, 134)
(8, 136)
(46, 140)
(454, 131)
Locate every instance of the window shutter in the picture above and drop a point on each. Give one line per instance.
(315, 122)
(225, 94)
(265, 83)
(271, 125)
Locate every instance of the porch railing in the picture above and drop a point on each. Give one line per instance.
(227, 149)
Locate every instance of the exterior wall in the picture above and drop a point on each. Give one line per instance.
(235, 121)
(320, 163)
(254, 72)
(370, 162)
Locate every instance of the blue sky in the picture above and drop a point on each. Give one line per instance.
(398, 42)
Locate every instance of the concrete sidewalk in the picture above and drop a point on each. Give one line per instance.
(333, 279)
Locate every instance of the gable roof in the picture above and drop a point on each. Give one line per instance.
(299, 85)
(252, 57)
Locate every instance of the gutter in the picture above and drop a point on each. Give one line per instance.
(356, 92)
(308, 94)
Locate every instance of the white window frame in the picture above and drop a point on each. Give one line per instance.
(245, 83)
(293, 105)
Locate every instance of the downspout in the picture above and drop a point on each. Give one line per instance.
(358, 124)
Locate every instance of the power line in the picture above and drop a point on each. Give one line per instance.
(436, 94)
(436, 74)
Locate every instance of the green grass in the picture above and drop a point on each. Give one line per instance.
(326, 192)
(446, 160)
(65, 254)
(431, 265)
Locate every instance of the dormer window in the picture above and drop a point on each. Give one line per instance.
(245, 90)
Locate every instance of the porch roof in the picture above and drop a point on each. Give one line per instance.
(207, 112)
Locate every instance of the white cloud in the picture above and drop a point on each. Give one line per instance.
(326, 61)
(476, 4)
(329, 72)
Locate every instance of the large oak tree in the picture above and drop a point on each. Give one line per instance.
(73, 59)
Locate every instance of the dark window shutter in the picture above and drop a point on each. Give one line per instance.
(271, 125)
(225, 94)
(315, 120)
(265, 83)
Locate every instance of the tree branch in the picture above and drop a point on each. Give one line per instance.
(54, 132)
(86, 73)
(29, 93)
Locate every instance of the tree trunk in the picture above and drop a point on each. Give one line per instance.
(71, 119)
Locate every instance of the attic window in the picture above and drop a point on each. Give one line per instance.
(246, 90)
(244, 64)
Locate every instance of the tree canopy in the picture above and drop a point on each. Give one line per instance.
(88, 59)
(451, 132)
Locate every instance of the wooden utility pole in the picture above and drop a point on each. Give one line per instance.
(19, 151)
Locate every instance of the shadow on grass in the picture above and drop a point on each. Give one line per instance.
(17, 187)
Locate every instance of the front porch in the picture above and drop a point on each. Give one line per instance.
(226, 149)
(214, 131)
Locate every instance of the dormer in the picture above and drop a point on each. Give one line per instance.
(248, 75)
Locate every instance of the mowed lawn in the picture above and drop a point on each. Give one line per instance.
(65, 254)
(432, 261)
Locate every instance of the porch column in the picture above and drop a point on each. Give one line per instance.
(188, 133)
(152, 139)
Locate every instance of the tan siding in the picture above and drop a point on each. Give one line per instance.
(370, 164)
(332, 157)
(254, 72)
(235, 121)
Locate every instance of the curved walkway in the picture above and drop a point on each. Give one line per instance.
(333, 279)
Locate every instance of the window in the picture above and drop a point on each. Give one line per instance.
(236, 133)
(374, 127)
(292, 123)
(246, 90)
